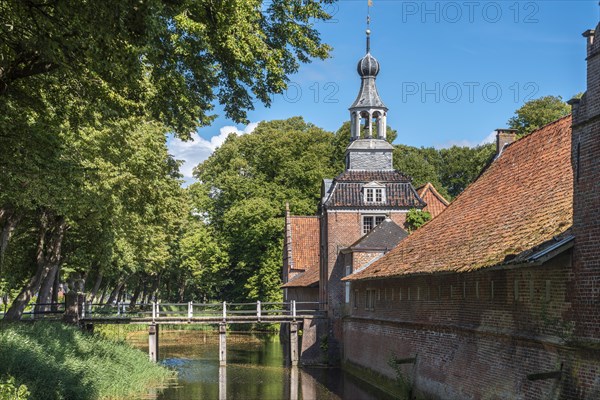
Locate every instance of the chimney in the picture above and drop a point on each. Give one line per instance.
(504, 137)
(589, 34)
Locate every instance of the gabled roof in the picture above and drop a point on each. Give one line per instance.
(308, 278)
(305, 242)
(384, 236)
(346, 190)
(436, 203)
(304, 232)
(521, 202)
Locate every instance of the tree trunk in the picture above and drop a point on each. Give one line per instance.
(96, 287)
(121, 296)
(182, 292)
(154, 289)
(136, 293)
(55, 290)
(113, 295)
(145, 292)
(51, 234)
(8, 222)
(45, 294)
(103, 295)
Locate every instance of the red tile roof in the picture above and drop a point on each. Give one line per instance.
(306, 279)
(436, 203)
(522, 200)
(305, 249)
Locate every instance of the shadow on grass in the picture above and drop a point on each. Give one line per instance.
(43, 357)
(57, 361)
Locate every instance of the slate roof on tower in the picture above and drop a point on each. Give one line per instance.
(519, 209)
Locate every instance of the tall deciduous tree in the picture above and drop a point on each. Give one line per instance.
(167, 59)
(242, 193)
(538, 112)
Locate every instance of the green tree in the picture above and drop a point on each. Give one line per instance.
(416, 218)
(167, 59)
(538, 112)
(242, 191)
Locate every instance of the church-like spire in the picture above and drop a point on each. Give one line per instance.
(368, 150)
(368, 109)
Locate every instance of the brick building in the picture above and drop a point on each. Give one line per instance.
(367, 194)
(499, 295)
(436, 203)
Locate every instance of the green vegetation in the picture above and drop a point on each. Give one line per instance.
(416, 218)
(10, 390)
(538, 112)
(88, 192)
(57, 361)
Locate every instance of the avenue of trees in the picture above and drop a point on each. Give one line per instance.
(88, 92)
(91, 198)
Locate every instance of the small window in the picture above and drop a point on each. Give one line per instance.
(371, 221)
(367, 224)
(374, 192)
(370, 301)
(356, 299)
(347, 284)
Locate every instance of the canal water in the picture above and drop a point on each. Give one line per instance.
(255, 370)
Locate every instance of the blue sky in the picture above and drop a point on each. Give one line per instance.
(451, 71)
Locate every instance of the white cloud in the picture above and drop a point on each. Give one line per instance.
(198, 149)
(491, 138)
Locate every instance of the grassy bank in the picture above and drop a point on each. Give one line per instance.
(57, 361)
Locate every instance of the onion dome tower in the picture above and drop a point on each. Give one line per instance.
(368, 149)
(368, 109)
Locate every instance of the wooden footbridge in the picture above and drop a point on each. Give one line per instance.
(77, 310)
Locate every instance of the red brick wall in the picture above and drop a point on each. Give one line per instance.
(343, 228)
(470, 344)
(586, 203)
(360, 258)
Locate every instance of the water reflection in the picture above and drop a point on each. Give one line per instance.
(255, 370)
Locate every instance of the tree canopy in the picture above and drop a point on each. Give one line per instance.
(538, 112)
(166, 59)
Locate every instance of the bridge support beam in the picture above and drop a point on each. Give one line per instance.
(222, 382)
(294, 343)
(153, 342)
(222, 343)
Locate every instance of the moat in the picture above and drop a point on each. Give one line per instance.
(255, 370)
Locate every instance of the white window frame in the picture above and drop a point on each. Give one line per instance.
(347, 284)
(373, 218)
(374, 193)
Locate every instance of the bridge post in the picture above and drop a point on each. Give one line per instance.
(294, 383)
(153, 342)
(258, 310)
(222, 343)
(222, 382)
(294, 343)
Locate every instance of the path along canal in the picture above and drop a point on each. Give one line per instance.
(255, 370)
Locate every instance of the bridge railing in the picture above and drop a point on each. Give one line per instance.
(224, 311)
(42, 310)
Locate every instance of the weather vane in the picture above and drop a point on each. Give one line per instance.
(369, 5)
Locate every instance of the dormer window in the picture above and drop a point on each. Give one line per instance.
(374, 192)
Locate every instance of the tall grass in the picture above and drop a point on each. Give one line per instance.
(56, 361)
